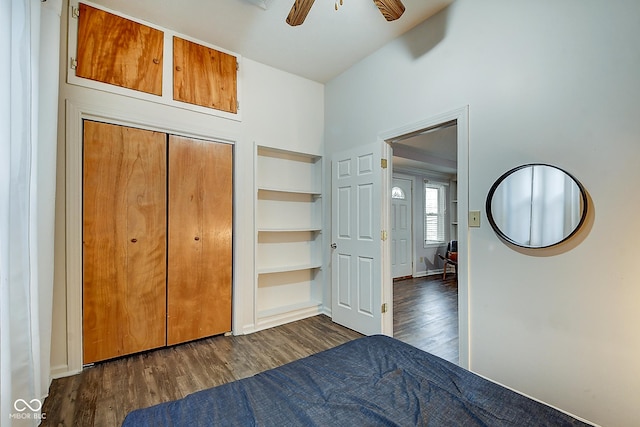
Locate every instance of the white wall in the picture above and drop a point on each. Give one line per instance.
(545, 81)
(278, 109)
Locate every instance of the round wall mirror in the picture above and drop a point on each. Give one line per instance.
(536, 206)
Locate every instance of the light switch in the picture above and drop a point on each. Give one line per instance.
(474, 218)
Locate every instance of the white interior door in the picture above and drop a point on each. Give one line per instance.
(356, 204)
(401, 229)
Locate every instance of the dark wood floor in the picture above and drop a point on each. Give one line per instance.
(425, 314)
(104, 394)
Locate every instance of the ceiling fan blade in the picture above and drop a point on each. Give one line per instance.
(390, 9)
(299, 12)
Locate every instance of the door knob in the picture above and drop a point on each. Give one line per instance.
(333, 246)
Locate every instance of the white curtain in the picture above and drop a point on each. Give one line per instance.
(29, 54)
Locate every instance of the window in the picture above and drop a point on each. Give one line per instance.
(397, 193)
(434, 213)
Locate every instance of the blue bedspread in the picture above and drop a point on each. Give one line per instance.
(370, 381)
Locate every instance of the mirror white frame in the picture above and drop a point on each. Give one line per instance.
(536, 206)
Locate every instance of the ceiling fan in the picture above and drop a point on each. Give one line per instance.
(390, 9)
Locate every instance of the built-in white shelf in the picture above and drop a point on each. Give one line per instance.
(288, 230)
(453, 230)
(291, 190)
(287, 268)
(289, 308)
(288, 255)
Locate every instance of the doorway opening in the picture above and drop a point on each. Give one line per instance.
(425, 302)
(433, 155)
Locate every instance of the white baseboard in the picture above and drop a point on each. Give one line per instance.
(427, 273)
(287, 317)
(61, 371)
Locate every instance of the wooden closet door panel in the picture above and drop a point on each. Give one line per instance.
(204, 76)
(124, 241)
(200, 239)
(118, 51)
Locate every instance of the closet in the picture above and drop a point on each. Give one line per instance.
(157, 240)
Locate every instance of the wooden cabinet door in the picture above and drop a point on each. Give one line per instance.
(124, 241)
(204, 76)
(118, 51)
(200, 239)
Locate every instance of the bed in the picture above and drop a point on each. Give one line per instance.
(370, 381)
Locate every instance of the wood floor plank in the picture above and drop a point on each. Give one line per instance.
(425, 315)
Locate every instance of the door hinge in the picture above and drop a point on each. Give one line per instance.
(237, 105)
(75, 12)
(237, 66)
(383, 235)
(383, 163)
(73, 64)
(384, 308)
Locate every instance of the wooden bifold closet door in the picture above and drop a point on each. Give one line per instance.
(124, 241)
(200, 225)
(157, 240)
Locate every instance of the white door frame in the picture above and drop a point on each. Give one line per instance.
(461, 116)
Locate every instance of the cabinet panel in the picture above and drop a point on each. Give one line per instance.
(200, 239)
(118, 51)
(124, 241)
(204, 76)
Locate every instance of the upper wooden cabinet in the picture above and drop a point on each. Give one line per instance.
(118, 51)
(204, 76)
(120, 54)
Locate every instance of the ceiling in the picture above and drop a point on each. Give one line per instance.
(329, 42)
(434, 150)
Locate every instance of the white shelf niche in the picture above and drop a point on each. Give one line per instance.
(288, 171)
(281, 210)
(287, 251)
(288, 236)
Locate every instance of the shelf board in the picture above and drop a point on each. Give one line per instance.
(263, 150)
(290, 191)
(288, 308)
(288, 229)
(287, 268)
